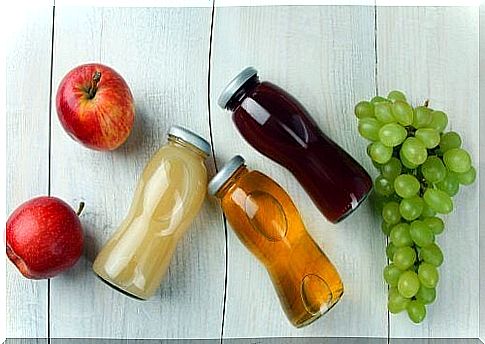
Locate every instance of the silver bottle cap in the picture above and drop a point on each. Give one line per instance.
(235, 85)
(224, 174)
(190, 137)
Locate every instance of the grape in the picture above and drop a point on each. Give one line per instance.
(421, 168)
(431, 254)
(378, 99)
(438, 200)
(406, 185)
(428, 136)
(383, 113)
(390, 251)
(392, 134)
(421, 234)
(376, 164)
(369, 128)
(428, 275)
(402, 112)
(396, 302)
(450, 184)
(449, 141)
(404, 257)
(391, 169)
(390, 213)
(414, 151)
(457, 160)
(378, 201)
(411, 208)
(426, 295)
(406, 162)
(416, 311)
(422, 117)
(467, 177)
(383, 186)
(408, 284)
(439, 121)
(400, 236)
(396, 95)
(435, 224)
(380, 153)
(386, 228)
(391, 274)
(427, 211)
(364, 109)
(433, 169)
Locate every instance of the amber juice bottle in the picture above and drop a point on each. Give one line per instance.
(267, 222)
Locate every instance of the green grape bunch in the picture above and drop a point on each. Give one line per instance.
(421, 168)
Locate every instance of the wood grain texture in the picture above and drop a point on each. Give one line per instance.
(433, 53)
(325, 57)
(27, 151)
(435, 341)
(163, 55)
(481, 172)
(306, 340)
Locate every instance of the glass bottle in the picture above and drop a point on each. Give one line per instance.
(169, 194)
(269, 225)
(279, 127)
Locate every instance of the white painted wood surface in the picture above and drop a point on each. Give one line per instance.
(27, 84)
(443, 67)
(325, 57)
(163, 55)
(482, 173)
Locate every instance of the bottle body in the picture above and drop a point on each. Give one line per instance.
(279, 127)
(168, 196)
(269, 225)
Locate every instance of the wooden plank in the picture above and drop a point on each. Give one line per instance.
(435, 341)
(307, 340)
(433, 53)
(163, 55)
(27, 127)
(482, 173)
(325, 57)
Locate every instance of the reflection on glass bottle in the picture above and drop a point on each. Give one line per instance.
(169, 194)
(269, 225)
(279, 127)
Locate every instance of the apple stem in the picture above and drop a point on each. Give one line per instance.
(426, 102)
(94, 84)
(80, 209)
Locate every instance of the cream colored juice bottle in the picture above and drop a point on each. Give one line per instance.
(169, 195)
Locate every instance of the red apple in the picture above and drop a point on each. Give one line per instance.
(44, 237)
(95, 106)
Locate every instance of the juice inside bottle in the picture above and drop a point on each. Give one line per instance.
(279, 127)
(168, 196)
(267, 222)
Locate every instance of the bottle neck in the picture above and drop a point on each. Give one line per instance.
(242, 170)
(177, 141)
(242, 93)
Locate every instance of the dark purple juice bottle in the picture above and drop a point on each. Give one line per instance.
(279, 127)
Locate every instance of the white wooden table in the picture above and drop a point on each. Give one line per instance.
(176, 61)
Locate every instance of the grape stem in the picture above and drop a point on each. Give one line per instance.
(426, 103)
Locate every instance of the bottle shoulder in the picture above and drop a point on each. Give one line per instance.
(174, 155)
(255, 182)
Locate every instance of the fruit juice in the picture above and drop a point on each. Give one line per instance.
(279, 127)
(269, 225)
(169, 194)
